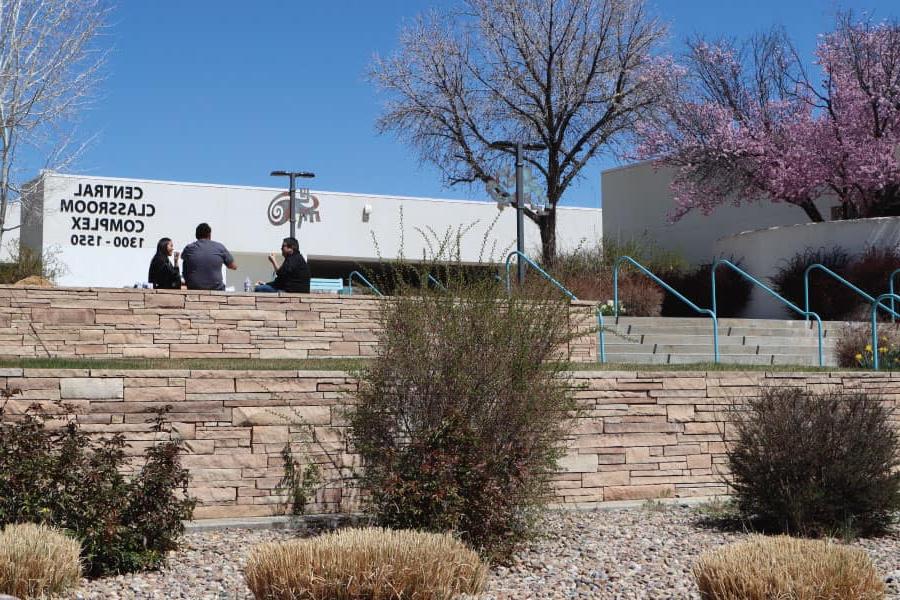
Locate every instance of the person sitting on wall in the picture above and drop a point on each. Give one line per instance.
(293, 274)
(203, 261)
(164, 274)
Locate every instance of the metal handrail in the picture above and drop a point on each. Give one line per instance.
(875, 304)
(670, 289)
(601, 345)
(768, 290)
(432, 279)
(363, 280)
(535, 266)
(869, 298)
(891, 291)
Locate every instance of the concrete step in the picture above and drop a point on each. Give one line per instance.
(663, 340)
(811, 360)
(725, 321)
(732, 340)
(698, 348)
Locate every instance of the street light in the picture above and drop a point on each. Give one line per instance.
(293, 175)
(518, 147)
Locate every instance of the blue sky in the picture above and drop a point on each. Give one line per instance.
(225, 91)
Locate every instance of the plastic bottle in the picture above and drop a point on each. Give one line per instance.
(247, 284)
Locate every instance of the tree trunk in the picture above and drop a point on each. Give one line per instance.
(547, 225)
(811, 210)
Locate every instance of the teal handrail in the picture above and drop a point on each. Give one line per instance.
(601, 345)
(891, 291)
(845, 283)
(432, 279)
(364, 281)
(768, 290)
(875, 304)
(537, 268)
(671, 290)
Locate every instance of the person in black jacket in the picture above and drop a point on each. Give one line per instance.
(293, 274)
(164, 275)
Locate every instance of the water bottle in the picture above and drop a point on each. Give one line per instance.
(247, 284)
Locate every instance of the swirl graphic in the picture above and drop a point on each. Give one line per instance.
(279, 209)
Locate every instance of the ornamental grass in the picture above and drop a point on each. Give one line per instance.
(365, 564)
(786, 568)
(37, 561)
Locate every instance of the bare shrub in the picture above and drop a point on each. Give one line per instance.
(26, 264)
(815, 464)
(639, 296)
(459, 418)
(365, 564)
(36, 561)
(763, 568)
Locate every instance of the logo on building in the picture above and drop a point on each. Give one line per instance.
(306, 208)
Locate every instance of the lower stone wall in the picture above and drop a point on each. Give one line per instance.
(639, 434)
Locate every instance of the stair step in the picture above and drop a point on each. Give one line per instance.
(811, 360)
(692, 348)
(684, 340)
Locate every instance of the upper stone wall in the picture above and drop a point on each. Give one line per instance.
(139, 323)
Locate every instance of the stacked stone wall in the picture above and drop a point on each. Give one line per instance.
(639, 435)
(137, 323)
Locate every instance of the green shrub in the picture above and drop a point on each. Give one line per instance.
(815, 464)
(365, 564)
(36, 561)
(460, 416)
(60, 476)
(764, 568)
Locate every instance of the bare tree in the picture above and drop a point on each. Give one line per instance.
(49, 69)
(573, 75)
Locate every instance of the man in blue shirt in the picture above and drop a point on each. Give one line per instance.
(203, 261)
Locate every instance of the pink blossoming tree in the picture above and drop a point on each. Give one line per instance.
(746, 123)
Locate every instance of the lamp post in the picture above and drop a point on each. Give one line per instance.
(518, 147)
(292, 175)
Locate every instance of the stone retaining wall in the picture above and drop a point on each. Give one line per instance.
(137, 323)
(640, 434)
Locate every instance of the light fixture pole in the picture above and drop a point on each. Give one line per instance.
(292, 175)
(518, 147)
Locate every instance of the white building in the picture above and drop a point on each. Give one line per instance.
(637, 200)
(105, 229)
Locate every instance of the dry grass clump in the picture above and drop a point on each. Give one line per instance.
(370, 564)
(36, 561)
(786, 568)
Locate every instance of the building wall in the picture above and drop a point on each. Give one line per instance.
(765, 251)
(343, 227)
(639, 434)
(637, 200)
(13, 220)
(140, 323)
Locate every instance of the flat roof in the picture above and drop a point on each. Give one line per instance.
(49, 173)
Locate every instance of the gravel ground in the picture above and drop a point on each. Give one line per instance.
(637, 553)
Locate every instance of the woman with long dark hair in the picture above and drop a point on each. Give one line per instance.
(165, 274)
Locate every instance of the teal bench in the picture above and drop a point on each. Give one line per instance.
(322, 285)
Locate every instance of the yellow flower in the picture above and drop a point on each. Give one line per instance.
(868, 347)
(859, 357)
(882, 349)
